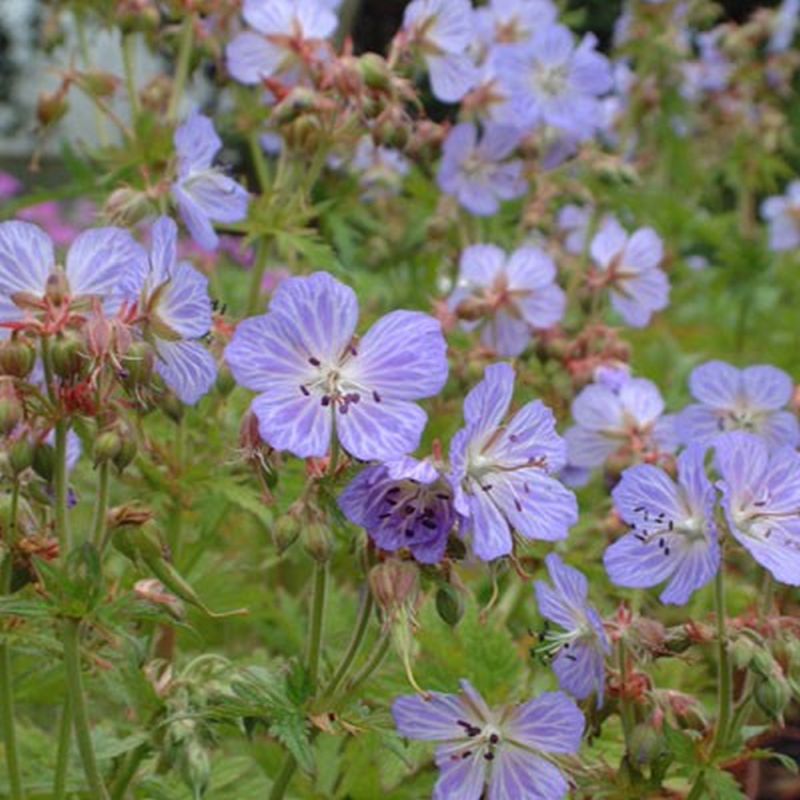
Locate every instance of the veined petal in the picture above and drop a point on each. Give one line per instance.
(530, 436)
(487, 403)
(459, 778)
(480, 264)
(517, 773)
(288, 420)
(608, 242)
(163, 250)
(101, 260)
(551, 723)
(432, 719)
(598, 408)
(491, 536)
(195, 219)
(553, 606)
(766, 387)
(402, 356)
(580, 669)
(196, 142)
(185, 305)
(646, 486)
(26, 258)
(187, 368)
(716, 384)
(588, 449)
(251, 58)
(452, 75)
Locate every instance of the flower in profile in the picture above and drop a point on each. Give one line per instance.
(380, 169)
(761, 500)
(502, 473)
(507, 296)
(629, 267)
(477, 172)
(672, 536)
(175, 310)
(286, 36)
(554, 83)
(624, 418)
(403, 504)
(34, 287)
(442, 30)
(579, 651)
(204, 193)
(753, 399)
(312, 375)
(506, 748)
(782, 214)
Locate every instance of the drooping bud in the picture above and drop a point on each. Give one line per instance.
(20, 455)
(317, 541)
(773, 694)
(11, 409)
(126, 453)
(394, 584)
(225, 383)
(107, 446)
(449, 604)
(44, 459)
(743, 650)
(285, 532)
(375, 71)
(51, 107)
(68, 357)
(646, 744)
(128, 515)
(97, 83)
(17, 357)
(138, 363)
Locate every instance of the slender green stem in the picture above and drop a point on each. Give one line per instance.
(182, 68)
(698, 788)
(62, 753)
(724, 666)
(80, 715)
(257, 277)
(378, 654)
(314, 647)
(362, 623)
(127, 771)
(16, 791)
(101, 506)
(284, 777)
(625, 708)
(62, 488)
(129, 64)
(259, 161)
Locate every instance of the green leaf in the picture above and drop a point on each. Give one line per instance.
(722, 785)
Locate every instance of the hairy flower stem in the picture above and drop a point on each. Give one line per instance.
(314, 647)
(101, 507)
(61, 489)
(724, 666)
(62, 753)
(257, 277)
(182, 68)
(129, 64)
(80, 716)
(128, 771)
(625, 709)
(16, 791)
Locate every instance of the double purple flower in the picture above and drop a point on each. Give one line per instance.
(753, 399)
(672, 536)
(502, 471)
(314, 376)
(507, 296)
(506, 749)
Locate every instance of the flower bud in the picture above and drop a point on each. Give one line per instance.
(97, 83)
(171, 405)
(107, 446)
(153, 591)
(298, 102)
(375, 71)
(44, 458)
(285, 532)
(138, 363)
(225, 383)
(17, 357)
(20, 455)
(647, 744)
(126, 453)
(743, 650)
(128, 515)
(67, 356)
(11, 409)
(773, 694)
(449, 604)
(317, 542)
(762, 663)
(51, 107)
(394, 584)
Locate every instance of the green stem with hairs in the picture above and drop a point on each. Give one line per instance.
(128, 61)
(62, 752)
(101, 507)
(61, 488)
(182, 68)
(16, 792)
(625, 709)
(257, 277)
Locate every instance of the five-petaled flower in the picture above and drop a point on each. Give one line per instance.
(753, 399)
(579, 651)
(312, 375)
(204, 193)
(506, 748)
(507, 296)
(761, 499)
(502, 473)
(405, 503)
(672, 536)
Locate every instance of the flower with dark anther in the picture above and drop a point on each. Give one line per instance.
(175, 313)
(37, 292)
(761, 499)
(578, 651)
(672, 533)
(508, 749)
(753, 400)
(403, 504)
(313, 376)
(502, 472)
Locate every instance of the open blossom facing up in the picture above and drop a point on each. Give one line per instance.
(672, 535)
(753, 399)
(442, 31)
(204, 193)
(782, 214)
(513, 22)
(610, 419)
(507, 296)
(33, 286)
(554, 83)
(580, 649)
(502, 472)
(313, 376)
(505, 748)
(761, 499)
(477, 172)
(404, 503)
(286, 35)
(176, 312)
(629, 267)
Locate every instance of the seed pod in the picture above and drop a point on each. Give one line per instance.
(449, 604)
(394, 584)
(68, 358)
(107, 446)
